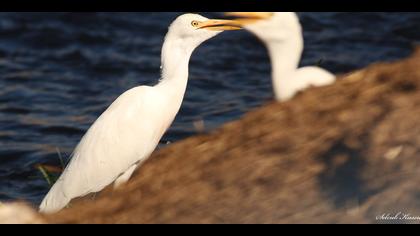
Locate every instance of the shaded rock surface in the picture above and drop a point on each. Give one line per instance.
(346, 153)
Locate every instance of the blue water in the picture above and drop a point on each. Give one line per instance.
(60, 71)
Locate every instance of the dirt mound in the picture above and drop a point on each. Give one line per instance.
(344, 153)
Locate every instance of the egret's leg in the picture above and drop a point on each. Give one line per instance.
(125, 177)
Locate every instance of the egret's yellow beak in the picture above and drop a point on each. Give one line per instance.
(219, 25)
(245, 18)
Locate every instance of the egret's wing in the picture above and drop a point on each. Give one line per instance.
(302, 79)
(125, 133)
(313, 76)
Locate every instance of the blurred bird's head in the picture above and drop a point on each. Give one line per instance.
(269, 26)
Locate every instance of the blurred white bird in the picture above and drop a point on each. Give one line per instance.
(281, 32)
(128, 132)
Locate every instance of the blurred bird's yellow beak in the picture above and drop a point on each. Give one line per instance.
(219, 25)
(244, 18)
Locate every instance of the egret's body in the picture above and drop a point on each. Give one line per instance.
(130, 129)
(281, 32)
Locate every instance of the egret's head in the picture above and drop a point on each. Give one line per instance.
(194, 29)
(269, 26)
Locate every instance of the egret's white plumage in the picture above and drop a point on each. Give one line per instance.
(281, 32)
(131, 128)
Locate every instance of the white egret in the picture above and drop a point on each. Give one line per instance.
(128, 132)
(281, 32)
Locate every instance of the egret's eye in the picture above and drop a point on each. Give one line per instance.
(195, 23)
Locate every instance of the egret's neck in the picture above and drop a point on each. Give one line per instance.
(285, 57)
(175, 62)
